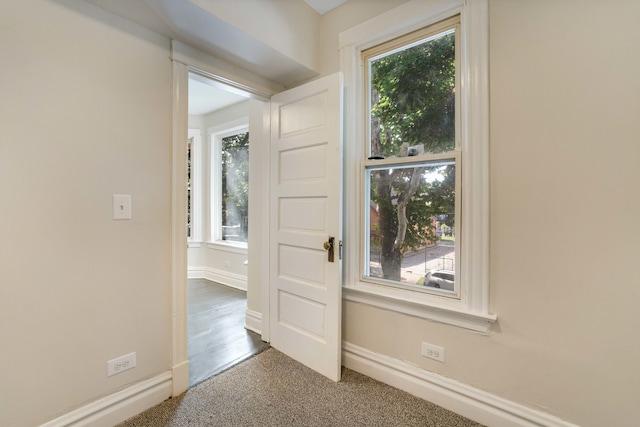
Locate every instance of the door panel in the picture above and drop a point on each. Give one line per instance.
(305, 288)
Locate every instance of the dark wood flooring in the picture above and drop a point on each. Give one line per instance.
(217, 337)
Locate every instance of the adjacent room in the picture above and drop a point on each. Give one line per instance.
(218, 157)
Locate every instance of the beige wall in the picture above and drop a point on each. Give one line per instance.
(565, 102)
(85, 114)
(565, 204)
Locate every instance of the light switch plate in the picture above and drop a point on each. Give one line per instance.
(121, 206)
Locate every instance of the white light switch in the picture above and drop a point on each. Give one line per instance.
(121, 206)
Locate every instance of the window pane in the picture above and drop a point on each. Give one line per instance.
(235, 187)
(413, 98)
(411, 223)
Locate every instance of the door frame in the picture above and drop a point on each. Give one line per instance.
(179, 333)
(184, 61)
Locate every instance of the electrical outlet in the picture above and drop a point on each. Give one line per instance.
(433, 352)
(121, 364)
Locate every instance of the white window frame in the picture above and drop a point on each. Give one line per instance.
(471, 310)
(419, 160)
(195, 136)
(216, 134)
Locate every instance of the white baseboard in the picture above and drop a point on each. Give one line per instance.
(232, 280)
(180, 376)
(460, 398)
(195, 273)
(253, 321)
(119, 406)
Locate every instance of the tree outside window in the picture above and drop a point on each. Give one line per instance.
(413, 156)
(235, 187)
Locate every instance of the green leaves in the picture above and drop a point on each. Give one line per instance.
(413, 96)
(412, 104)
(235, 185)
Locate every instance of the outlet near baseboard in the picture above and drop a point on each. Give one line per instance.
(433, 352)
(121, 364)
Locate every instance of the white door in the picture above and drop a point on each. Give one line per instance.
(306, 164)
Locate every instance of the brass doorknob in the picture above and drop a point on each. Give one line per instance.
(328, 245)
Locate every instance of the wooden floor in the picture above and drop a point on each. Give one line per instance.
(217, 337)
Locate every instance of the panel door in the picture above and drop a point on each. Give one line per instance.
(306, 164)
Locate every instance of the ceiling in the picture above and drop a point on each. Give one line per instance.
(206, 96)
(184, 21)
(323, 6)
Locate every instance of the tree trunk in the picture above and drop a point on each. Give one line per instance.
(392, 223)
(391, 258)
(403, 200)
(391, 265)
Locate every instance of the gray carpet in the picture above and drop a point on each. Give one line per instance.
(271, 389)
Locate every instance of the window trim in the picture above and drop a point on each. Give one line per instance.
(215, 136)
(471, 311)
(196, 187)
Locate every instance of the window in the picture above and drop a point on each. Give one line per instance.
(412, 167)
(417, 178)
(230, 185)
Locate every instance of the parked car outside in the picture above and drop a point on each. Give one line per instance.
(442, 279)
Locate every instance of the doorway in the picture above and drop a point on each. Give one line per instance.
(305, 109)
(218, 155)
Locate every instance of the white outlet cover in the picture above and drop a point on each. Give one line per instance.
(121, 364)
(433, 352)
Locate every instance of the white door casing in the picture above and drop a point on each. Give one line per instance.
(305, 209)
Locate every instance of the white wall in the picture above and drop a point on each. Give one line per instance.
(216, 261)
(565, 97)
(85, 114)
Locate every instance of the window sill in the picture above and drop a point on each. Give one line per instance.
(194, 244)
(404, 302)
(232, 247)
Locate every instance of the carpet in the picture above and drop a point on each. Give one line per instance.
(271, 389)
